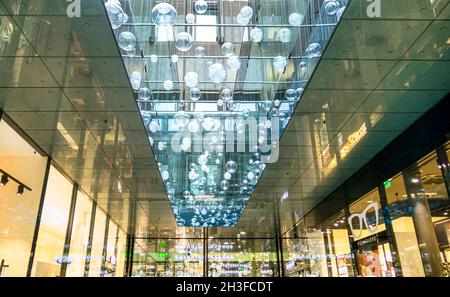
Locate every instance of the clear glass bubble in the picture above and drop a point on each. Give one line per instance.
(154, 58)
(245, 112)
(250, 175)
(174, 58)
(226, 94)
(340, 12)
(199, 51)
(153, 126)
(168, 85)
(231, 166)
(280, 63)
(115, 14)
(135, 80)
(183, 41)
(217, 161)
(161, 145)
(186, 194)
(247, 12)
(125, 18)
(227, 49)
(290, 94)
(276, 103)
(131, 53)
(165, 175)
(241, 20)
(164, 15)
(256, 35)
(217, 73)
(299, 93)
(284, 35)
(192, 166)
(224, 185)
(181, 119)
(296, 19)
(208, 124)
(144, 94)
(331, 7)
(195, 94)
(220, 102)
(193, 126)
(127, 41)
(234, 63)
(190, 18)
(202, 159)
(314, 50)
(205, 168)
(227, 175)
(201, 6)
(191, 79)
(192, 175)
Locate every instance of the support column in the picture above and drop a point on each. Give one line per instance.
(420, 212)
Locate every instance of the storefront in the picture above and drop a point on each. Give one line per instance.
(48, 226)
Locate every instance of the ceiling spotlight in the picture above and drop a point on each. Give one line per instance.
(20, 190)
(4, 180)
(415, 180)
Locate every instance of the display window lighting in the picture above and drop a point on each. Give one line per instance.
(20, 190)
(5, 180)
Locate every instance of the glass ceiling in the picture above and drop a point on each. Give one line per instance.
(217, 83)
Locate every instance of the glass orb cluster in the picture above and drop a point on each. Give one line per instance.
(216, 184)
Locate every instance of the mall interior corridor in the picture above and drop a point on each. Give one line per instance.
(226, 138)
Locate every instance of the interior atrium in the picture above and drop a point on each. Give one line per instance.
(241, 138)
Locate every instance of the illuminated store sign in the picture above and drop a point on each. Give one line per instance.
(353, 140)
(362, 219)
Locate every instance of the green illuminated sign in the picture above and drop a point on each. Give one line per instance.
(387, 184)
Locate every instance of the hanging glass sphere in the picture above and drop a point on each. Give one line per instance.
(199, 52)
(164, 15)
(183, 41)
(154, 58)
(161, 145)
(193, 126)
(135, 80)
(291, 94)
(127, 41)
(144, 94)
(153, 126)
(234, 63)
(202, 159)
(190, 18)
(220, 102)
(340, 12)
(191, 79)
(226, 94)
(296, 19)
(227, 175)
(227, 49)
(208, 124)
(174, 58)
(224, 185)
(241, 20)
(217, 73)
(256, 35)
(192, 175)
(331, 7)
(125, 18)
(299, 93)
(201, 6)
(231, 166)
(247, 12)
(132, 52)
(181, 119)
(192, 166)
(115, 14)
(245, 112)
(195, 94)
(284, 35)
(186, 194)
(250, 175)
(276, 103)
(165, 175)
(168, 85)
(280, 63)
(314, 50)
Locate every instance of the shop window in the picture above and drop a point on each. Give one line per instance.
(52, 231)
(121, 253)
(110, 257)
(98, 240)
(18, 215)
(80, 236)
